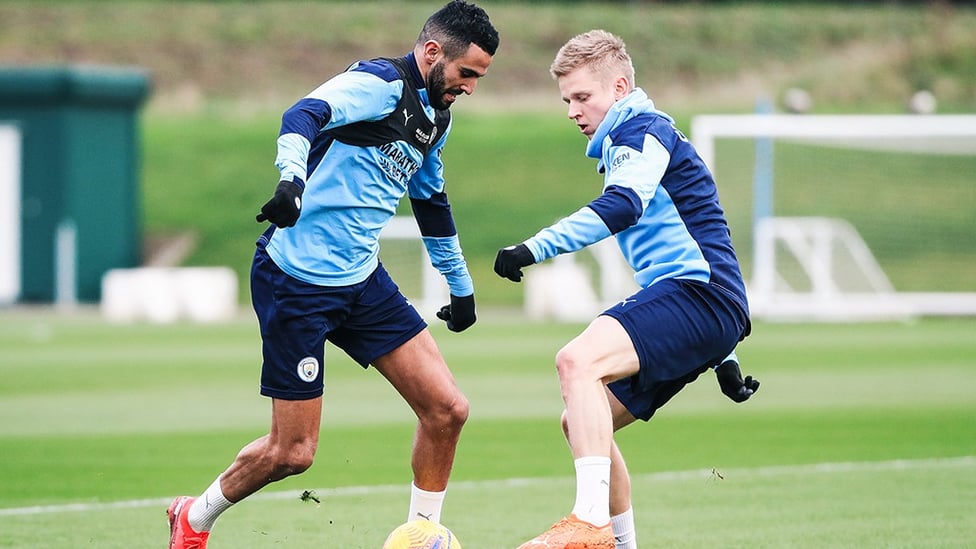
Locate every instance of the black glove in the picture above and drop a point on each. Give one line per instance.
(285, 206)
(732, 384)
(510, 260)
(459, 315)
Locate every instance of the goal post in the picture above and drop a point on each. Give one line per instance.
(919, 130)
(848, 187)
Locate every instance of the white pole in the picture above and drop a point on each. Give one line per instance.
(10, 233)
(66, 265)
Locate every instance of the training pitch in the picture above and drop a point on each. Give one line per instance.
(862, 435)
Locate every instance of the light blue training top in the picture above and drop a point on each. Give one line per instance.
(358, 143)
(659, 200)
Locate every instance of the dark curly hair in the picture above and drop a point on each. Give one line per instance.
(458, 25)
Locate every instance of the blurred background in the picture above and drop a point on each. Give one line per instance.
(142, 134)
(137, 142)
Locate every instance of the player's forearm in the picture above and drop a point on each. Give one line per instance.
(436, 224)
(292, 157)
(446, 256)
(572, 233)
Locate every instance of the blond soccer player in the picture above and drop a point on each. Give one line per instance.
(660, 203)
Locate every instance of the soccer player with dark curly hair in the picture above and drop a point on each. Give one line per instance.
(348, 152)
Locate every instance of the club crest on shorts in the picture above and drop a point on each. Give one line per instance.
(308, 368)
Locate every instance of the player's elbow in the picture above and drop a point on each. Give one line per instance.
(619, 207)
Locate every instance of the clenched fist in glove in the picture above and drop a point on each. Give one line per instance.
(732, 384)
(510, 260)
(459, 315)
(285, 206)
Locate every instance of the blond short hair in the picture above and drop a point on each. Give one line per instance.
(600, 50)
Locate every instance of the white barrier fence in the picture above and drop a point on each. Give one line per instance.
(170, 294)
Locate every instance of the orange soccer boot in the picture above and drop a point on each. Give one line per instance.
(573, 533)
(181, 536)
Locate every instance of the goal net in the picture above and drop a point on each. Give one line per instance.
(849, 217)
(403, 254)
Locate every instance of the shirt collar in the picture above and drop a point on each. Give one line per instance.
(418, 80)
(634, 103)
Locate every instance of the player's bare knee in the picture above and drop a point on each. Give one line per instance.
(457, 412)
(295, 459)
(445, 417)
(569, 367)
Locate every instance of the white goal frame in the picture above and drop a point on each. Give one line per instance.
(433, 287)
(800, 236)
(705, 129)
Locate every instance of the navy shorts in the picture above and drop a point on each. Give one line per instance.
(679, 328)
(366, 320)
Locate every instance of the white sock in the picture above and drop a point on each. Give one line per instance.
(425, 505)
(593, 490)
(206, 508)
(623, 530)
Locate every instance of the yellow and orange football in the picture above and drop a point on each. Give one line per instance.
(421, 534)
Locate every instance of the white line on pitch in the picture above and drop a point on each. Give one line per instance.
(664, 476)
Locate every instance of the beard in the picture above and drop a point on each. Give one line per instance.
(437, 88)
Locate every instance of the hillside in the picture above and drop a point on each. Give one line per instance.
(223, 72)
(690, 57)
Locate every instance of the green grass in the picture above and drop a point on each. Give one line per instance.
(861, 436)
(209, 174)
(222, 72)
(722, 55)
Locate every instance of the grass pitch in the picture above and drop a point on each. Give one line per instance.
(861, 436)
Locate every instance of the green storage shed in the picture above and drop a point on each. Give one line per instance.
(79, 175)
